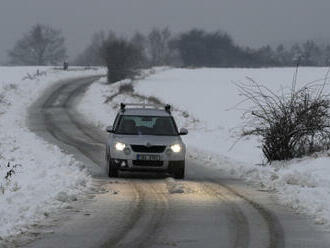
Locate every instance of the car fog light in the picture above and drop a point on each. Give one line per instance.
(168, 152)
(176, 148)
(127, 151)
(120, 146)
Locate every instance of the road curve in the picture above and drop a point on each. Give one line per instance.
(212, 212)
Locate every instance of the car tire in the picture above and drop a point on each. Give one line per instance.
(112, 168)
(107, 152)
(179, 171)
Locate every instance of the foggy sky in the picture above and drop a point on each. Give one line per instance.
(250, 22)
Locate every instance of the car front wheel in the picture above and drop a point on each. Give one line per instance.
(112, 168)
(179, 173)
(178, 169)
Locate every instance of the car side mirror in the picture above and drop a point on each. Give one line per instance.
(183, 131)
(109, 129)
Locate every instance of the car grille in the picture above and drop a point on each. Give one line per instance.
(148, 163)
(150, 149)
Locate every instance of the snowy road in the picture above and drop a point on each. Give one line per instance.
(204, 210)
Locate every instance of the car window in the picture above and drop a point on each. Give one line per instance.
(146, 125)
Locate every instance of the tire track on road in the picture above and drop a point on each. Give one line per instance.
(276, 237)
(241, 221)
(63, 99)
(241, 228)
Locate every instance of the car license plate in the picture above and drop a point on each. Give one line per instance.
(148, 157)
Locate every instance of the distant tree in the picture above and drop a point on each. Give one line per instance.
(310, 54)
(192, 48)
(159, 50)
(214, 49)
(280, 49)
(123, 59)
(42, 45)
(141, 42)
(296, 54)
(92, 54)
(327, 55)
(265, 56)
(283, 56)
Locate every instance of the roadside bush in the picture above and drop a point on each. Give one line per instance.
(7, 173)
(126, 88)
(122, 58)
(291, 124)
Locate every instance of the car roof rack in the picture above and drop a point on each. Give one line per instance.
(123, 106)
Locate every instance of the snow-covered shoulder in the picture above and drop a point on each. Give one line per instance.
(35, 177)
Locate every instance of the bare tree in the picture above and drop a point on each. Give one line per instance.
(311, 54)
(140, 41)
(291, 124)
(92, 54)
(327, 55)
(159, 50)
(42, 45)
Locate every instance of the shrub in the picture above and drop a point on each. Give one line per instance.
(291, 124)
(122, 58)
(7, 173)
(125, 89)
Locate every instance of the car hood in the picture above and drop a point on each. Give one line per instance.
(151, 140)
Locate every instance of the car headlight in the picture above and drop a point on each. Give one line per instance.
(176, 148)
(120, 146)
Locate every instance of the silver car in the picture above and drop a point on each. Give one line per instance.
(145, 138)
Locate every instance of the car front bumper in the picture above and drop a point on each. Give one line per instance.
(129, 162)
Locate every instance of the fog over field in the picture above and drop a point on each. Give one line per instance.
(163, 123)
(253, 22)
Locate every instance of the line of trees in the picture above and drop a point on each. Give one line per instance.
(199, 48)
(44, 45)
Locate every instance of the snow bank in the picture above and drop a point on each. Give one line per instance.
(207, 97)
(35, 177)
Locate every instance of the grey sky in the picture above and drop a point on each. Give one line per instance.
(250, 22)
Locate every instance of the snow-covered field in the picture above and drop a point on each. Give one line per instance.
(203, 100)
(35, 177)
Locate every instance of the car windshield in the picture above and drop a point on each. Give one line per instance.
(146, 125)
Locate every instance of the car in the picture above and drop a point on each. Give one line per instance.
(145, 137)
